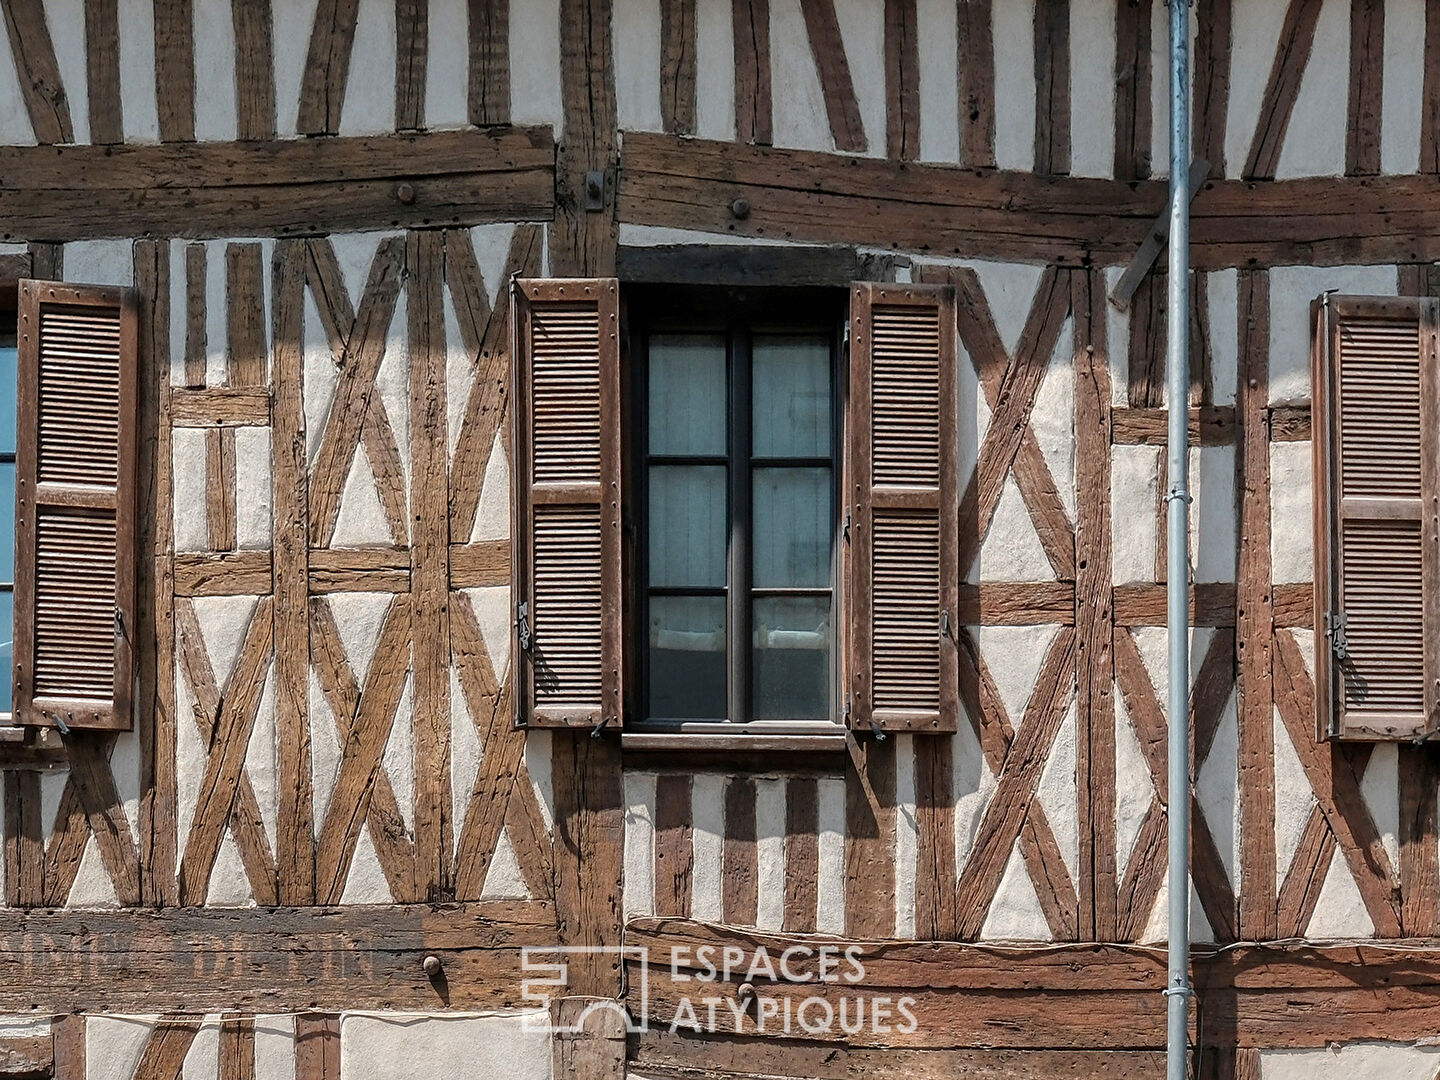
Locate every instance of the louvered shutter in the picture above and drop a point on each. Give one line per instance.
(568, 590)
(902, 574)
(75, 515)
(1377, 595)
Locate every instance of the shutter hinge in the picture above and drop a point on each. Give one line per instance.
(847, 710)
(845, 528)
(877, 730)
(945, 634)
(522, 624)
(1335, 631)
(119, 624)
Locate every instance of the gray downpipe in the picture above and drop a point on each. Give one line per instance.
(1177, 990)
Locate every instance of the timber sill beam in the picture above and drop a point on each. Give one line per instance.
(813, 197)
(284, 187)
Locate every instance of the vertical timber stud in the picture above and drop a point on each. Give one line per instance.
(753, 102)
(157, 578)
(902, 81)
(902, 573)
(295, 832)
(429, 564)
(1052, 87)
(1377, 596)
(175, 69)
(1254, 621)
(583, 240)
(677, 66)
(254, 69)
(1212, 81)
(1132, 89)
(976, 48)
(76, 510)
(589, 803)
(1094, 622)
(489, 87)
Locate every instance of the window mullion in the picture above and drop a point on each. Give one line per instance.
(740, 526)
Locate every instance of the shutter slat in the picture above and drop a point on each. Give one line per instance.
(901, 466)
(76, 515)
(1376, 555)
(567, 477)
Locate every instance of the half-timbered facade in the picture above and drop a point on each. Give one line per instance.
(316, 843)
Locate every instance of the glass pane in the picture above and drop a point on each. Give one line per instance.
(9, 385)
(687, 526)
(791, 391)
(7, 648)
(687, 657)
(7, 523)
(792, 528)
(792, 658)
(687, 405)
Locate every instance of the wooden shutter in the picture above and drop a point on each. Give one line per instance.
(75, 515)
(567, 587)
(902, 573)
(1377, 516)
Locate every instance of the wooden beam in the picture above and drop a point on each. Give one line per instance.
(102, 71)
(358, 957)
(976, 49)
(1430, 92)
(1213, 20)
(1292, 54)
(222, 406)
(738, 264)
(1094, 595)
(1133, 58)
(1211, 425)
(489, 84)
(1255, 707)
(811, 197)
(271, 188)
(751, 20)
(1367, 76)
(902, 81)
(175, 69)
(412, 54)
(1052, 87)
(254, 69)
(836, 86)
(327, 67)
(38, 72)
(1154, 243)
(582, 240)
(677, 66)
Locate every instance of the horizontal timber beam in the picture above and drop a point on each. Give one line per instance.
(815, 197)
(288, 187)
(335, 570)
(1079, 997)
(275, 960)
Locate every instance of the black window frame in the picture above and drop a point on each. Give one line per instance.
(739, 314)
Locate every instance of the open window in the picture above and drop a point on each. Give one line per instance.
(1377, 517)
(736, 510)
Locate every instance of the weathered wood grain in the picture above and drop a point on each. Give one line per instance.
(1133, 58)
(902, 81)
(1253, 615)
(739, 876)
(1292, 54)
(1419, 779)
(359, 956)
(976, 56)
(674, 850)
(195, 331)
(1367, 76)
(1052, 87)
(1094, 627)
(175, 69)
(289, 187)
(489, 82)
(24, 840)
(38, 71)
(317, 1047)
(412, 55)
(327, 67)
(1213, 21)
(254, 69)
(802, 853)
(677, 66)
(751, 20)
(351, 797)
(102, 71)
(163, 1056)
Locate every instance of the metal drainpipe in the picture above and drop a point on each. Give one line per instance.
(1177, 990)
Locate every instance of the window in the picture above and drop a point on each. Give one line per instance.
(781, 552)
(1376, 409)
(736, 440)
